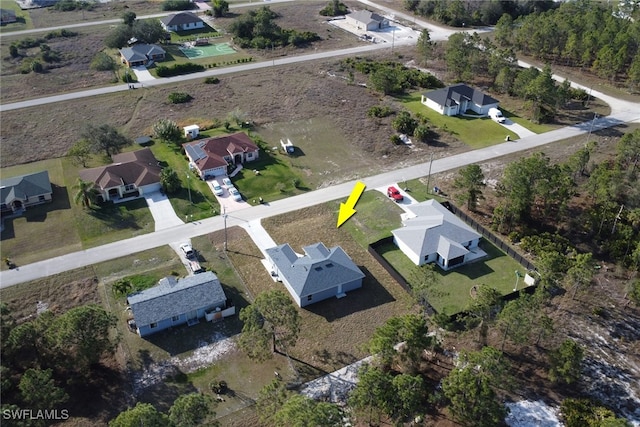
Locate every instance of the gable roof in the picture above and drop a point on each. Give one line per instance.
(319, 269)
(181, 18)
(210, 153)
(134, 167)
(24, 186)
(366, 16)
(140, 52)
(431, 228)
(453, 95)
(171, 297)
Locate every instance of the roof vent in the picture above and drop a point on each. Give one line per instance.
(318, 269)
(329, 265)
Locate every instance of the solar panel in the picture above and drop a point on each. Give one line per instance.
(195, 152)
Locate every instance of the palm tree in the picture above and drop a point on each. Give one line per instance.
(85, 194)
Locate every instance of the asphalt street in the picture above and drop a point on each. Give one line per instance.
(621, 112)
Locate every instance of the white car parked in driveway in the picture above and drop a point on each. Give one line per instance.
(217, 189)
(187, 250)
(227, 182)
(235, 193)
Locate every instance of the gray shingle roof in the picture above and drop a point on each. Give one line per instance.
(181, 18)
(366, 16)
(319, 269)
(140, 52)
(171, 297)
(451, 95)
(24, 186)
(434, 229)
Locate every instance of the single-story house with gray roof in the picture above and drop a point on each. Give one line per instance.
(183, 21)
(319, 274)
(141, 54)
(457, 99)
(365, 20)
(431, 233)
(22, 191)
(174, 302)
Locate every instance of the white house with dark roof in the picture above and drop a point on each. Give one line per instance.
(211, 157)
(365, 20)
(320, 274)
(20, 192)
(457, 99)
(431, 233)
(174, 302)
(141, 54)
(183, 21)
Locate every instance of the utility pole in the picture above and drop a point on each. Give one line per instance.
(429, 175)
(189, 187)
(224, 216)
(595, 116)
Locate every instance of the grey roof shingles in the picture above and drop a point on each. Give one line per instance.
(24, 186)
(435, 229)
(181, 18)
(318, 270)
(366, 16)
(141, 52)
(451, 95)
(171, 297)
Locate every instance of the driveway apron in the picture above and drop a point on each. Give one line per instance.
(162, 211)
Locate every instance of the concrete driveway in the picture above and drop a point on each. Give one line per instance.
(226, 201)
(522, 131)
(162, 211)
(142, 74)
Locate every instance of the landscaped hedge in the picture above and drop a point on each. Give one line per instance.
(178, 69)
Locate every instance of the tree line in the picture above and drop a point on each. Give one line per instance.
(581, 34)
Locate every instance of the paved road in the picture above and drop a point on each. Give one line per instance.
(148, 241)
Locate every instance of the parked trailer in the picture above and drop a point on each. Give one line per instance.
(287, 146)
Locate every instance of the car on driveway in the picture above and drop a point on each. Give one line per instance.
(187, 250)
(217, 189)
(394, 194)
(227, 182)
(235, 193)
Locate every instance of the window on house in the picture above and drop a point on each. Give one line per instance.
(129, 187)
(175, 318)
(153, 325)
(309, 297)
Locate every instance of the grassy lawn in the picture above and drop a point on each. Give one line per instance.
(24, 19)
(45, 230)
(206, 32)
(201, 203)
(376, 216)
(533, 127)
(275, 180)
(476, 132)
(452, 294)
(417, 188)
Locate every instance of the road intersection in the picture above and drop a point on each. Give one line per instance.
(621, 112)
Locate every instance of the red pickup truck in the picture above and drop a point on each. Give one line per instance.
(394, 194)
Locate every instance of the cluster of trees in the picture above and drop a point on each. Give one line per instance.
(98, 139)
(334, 8)
(171, 5)
(45, 358)
(417, 127)
(179, 69)
(458, 13)
(188, 410)
(580, 34)
(468, 56)
(533, 191)
(390, 77)
(145, 31)
(257, 29)
(69, 5)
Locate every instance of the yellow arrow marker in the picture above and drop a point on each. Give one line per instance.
(347, 209)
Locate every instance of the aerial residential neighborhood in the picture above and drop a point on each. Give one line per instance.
(320, 212)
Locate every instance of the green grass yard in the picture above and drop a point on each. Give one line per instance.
(476, 132)
(453, 293)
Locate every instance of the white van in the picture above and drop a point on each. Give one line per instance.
(496, 115)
